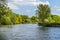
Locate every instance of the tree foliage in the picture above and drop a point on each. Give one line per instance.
(8, 17)
(43, 12)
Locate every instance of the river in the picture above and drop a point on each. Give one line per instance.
(29, 32)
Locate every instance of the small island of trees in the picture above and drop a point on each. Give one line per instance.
(45, 16)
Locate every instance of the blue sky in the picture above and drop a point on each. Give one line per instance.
(28, 7)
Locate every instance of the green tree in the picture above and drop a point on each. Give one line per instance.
(25, 19)
(56, 18)
(43, 12)
(5, 20)
(49, 20)
(4, 10)
(34, 19)
(18, 19)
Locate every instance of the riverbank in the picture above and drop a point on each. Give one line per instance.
(50, 25)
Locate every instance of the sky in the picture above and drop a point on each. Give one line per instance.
(28, 7)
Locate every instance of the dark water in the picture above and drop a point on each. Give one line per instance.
(29, 32)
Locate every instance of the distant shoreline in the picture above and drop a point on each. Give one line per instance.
(50, 25)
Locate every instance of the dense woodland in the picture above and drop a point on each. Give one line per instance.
(8, 17)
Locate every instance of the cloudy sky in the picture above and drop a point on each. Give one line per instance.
(28, 7)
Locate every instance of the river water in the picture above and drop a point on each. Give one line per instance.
(29, 32)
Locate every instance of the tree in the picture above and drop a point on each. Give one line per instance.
(25, 18)
(34, 19)
(43, 12)
(56, 18)
(4, 10)
(5, 20)
(18, 19)
(49, 20)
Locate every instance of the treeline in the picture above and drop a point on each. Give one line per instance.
(8, 17)
(52, 19)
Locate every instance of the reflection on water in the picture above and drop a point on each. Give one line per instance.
(2, 36)
(29, 32)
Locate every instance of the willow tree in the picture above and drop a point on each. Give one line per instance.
(43, 12)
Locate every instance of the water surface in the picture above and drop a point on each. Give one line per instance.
(29, 32)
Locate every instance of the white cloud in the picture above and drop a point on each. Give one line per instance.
(37, 3)
(17, 0)
(23, 0)
(13, 3)
(12, 6)
(56, 13)
(28, 11)
(57, 8)
(29, 2)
